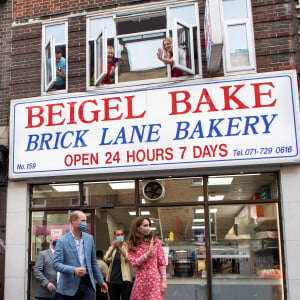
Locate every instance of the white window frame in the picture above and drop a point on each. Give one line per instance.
(228, 69)
(143, 10)
(51, 45)
(46, 89)
(177, 64)
(100, 42)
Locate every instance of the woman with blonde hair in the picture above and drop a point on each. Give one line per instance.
(145, 253)
(166, 56)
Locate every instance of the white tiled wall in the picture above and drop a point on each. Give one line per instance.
(16, 242)
(290, 187)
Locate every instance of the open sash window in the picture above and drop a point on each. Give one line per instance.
(183, 46)
(49, 65)
(100, 56)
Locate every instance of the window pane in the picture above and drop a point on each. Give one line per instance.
(242, 187)
(114, 193)
(138, 58)
(235, 9)
(238, 41)
(185, 13)
(97, 25)
(48, 64)
(58, 32)
(174, 190)
(55, 195)
(246, 252)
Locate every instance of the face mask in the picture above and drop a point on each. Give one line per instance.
(82, 226)
(54, 243)
(120, 239)
(146, 230)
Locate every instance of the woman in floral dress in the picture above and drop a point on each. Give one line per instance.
(146, 254)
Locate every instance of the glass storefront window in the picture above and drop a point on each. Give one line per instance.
(245, 253)
(176, 190)
(55, 195)
(242, 187)
(114, 193)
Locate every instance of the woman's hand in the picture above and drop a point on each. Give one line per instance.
(159, 54)
(149, 253)
(163, 286)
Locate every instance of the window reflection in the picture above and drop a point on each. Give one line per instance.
(239, 52)
(242, 187)
(246, 245)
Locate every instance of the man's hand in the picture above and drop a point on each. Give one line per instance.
(80, 271)
(104, 288)
(116, 244)
(51, 287)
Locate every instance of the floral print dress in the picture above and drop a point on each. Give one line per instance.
(149, 271)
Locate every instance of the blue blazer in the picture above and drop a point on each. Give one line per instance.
(66, 259)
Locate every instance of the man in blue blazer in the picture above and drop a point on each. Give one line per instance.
(75, 259)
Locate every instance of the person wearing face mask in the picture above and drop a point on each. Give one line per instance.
(119, 275)
(145, 253)
(75, 259)
(44, 271)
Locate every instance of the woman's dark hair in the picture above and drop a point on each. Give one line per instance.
(134, 236)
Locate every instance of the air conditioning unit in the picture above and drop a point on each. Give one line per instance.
(153, 190)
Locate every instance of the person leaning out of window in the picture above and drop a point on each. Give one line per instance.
(60, 82)
(119, 275)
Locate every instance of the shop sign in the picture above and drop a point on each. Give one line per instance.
(220, 122)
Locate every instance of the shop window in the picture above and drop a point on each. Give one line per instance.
(244, 187)
(54, 58)
(246, 253)
(239, 53)
(134, 37)
(109, 194)
(175, 190)
(55, 195)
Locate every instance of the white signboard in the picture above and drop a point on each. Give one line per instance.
(223, 122)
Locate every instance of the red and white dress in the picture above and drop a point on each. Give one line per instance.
(149, 271)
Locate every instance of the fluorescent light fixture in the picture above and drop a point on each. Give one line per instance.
(198, 220)
(66, 187)
(201, 210)
(181, 251)
(122, 185)
(216, 197)
(143, 213)
(153, 228)
(200, 198)
(198, 227)
(143, 201)
(219, 180)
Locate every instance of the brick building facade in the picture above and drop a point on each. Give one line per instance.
(272, 44)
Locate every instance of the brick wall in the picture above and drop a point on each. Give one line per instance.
(5, 48)
(275, 31)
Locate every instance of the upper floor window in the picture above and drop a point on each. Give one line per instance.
(239, 54)
(54, 57)
(153, 44)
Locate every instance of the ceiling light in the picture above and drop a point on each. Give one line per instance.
(132, 213)
(199, 211)
(215, 197)
(198, 220)
(198, 227)
(66, 187)
(200, 198)
(219, 180)
(145, 213)
(122, 185)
